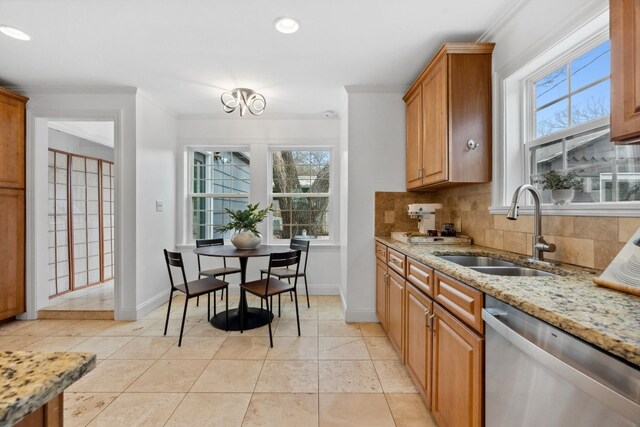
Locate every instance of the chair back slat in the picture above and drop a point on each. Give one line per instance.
(203, 243)
(283, 259)
(174, 259)
(301, 245)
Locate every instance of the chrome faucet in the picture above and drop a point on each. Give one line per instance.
(538, 245)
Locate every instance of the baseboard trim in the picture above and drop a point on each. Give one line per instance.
(151, 304)
(360, 315)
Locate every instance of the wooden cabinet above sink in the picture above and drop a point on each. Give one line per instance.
(448, 120)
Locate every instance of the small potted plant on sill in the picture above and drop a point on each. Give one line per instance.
(562, 186)
(244, 222)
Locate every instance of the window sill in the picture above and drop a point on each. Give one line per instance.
(593, 209)
(328, 245)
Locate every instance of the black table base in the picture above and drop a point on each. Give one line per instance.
(255, 317)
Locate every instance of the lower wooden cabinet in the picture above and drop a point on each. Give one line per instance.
(418, 339)
(395, 311)
(12, 252)
(457, 372)
(381, 292)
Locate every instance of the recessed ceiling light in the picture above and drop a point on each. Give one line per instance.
(286, 25)
(14, 32)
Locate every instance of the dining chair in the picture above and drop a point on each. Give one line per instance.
(267, 287)
(287, 273)
(192, 289)
(214, 272)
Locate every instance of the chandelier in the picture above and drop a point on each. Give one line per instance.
(244, 99)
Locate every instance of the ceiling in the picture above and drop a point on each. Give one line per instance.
(99, 132)
(185, 53)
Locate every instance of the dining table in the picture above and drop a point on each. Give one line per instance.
(254, 317)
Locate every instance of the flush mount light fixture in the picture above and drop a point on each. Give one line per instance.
(14, 33)
(286, 25)
(244, 99)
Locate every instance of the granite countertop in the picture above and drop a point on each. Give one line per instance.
(605, 318)
(31, 379)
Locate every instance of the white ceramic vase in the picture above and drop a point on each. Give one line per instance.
(562, 197)
(245, 240)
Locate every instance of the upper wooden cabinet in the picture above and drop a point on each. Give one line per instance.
(12, 146)
(449, 119)
(625, 71)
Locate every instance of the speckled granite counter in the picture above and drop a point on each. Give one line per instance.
(608, 319)
(31, 379)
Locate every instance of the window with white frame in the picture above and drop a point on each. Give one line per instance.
(300, 193)
(568, 115)
(219, 180)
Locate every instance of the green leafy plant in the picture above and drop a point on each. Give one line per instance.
(245, 219)
(553, 180)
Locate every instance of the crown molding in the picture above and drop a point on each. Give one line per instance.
(81, 132)
(387, 88)
(501, 20)
(74, 89)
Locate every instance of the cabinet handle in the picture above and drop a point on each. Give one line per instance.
(433, 325)
(426, 315)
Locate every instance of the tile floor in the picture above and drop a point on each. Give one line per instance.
(97, 297)
(335, 374)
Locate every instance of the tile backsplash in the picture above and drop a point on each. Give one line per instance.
(580, 240)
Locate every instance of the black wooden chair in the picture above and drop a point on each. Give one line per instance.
(287, 273)
(214, 272)
(191, 289)
(268, 287)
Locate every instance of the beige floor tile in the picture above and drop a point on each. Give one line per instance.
(288, 376)
(282, 410)
(289, 312)
(288, 348)
(12, 328)
(354, 410)
(111, 376)
(11, 342)
(235, 348)
(55, 344)
(346, 376)
(262, 331)
(372, 330)
(338, 328)
(81, 408)
(204, 329)
(129, 328)
(408, 410)
(342, 348)
(103, 347)
(160, 312)
(44, 328)
(330, 313)
(380, 348)
(139, 409)
(394, 377)
(329, 300)
(210, 409)
(169, 376)
(229, 376)
(195, 348)
(144, 348)
(289, 328)
(86, 328)
(173, 329)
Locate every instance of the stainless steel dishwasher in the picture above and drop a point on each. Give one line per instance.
(537, 375)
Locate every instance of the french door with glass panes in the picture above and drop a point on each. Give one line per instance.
(80, 221)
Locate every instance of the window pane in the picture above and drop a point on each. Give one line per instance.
(628, 170)
(208, 212)
(551, 87)
(591, 103)
(593, 65)
(301, 171)
(552, 118)
(301, 217)
(221, 172)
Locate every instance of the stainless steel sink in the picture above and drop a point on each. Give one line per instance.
(477, 261)
(497, 267)
(513, 271)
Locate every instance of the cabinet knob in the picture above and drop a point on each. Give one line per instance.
(472, 145)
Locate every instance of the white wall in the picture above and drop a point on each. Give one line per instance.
(344, 195)
(62, 141)
(258, 133)
(376, 162)
(156, 138)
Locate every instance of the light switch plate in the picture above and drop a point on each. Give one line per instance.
(159, 205)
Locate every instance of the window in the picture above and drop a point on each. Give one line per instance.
(300, 194)
(569, 130)
(220, 180)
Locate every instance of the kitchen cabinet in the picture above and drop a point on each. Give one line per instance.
(12, 203)
(418, 339)
(448, 119)
(381, 292)
(625, 71)
(457, 372)
(461, 300)
(395, 311)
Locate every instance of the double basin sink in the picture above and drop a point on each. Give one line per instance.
(495, 266)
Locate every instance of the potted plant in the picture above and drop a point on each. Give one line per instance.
(244, 222)
(562, 186)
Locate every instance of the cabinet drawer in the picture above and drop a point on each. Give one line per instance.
(381, 252)
(397, 261)
(461, 300)
(420, 275)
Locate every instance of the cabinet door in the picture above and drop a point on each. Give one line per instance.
(434, 134)
(12, 144)
(381, 292)
(418, 339)
(414, 140)
(457, 372)
(12, 217)
(396, 311)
